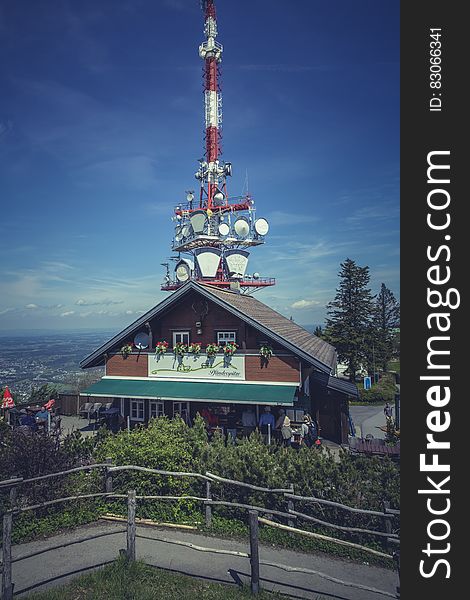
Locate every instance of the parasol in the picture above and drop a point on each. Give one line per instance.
(8, 401)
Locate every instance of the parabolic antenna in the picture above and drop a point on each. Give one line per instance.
(141, 340)
(219, 197)
(178, 236)
(198, 220)
(208, 260)
(185, 231)
(237, 261)
(242, 227)
(261, 226)
(224, 229)
(183, 271)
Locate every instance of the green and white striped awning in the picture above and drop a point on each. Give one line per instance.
(241, 393)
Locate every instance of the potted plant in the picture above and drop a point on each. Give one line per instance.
(161, 347)
(265, 352)
(194, 348)
(212, 349)
(230, 348)
(126, 350)
(180, 349)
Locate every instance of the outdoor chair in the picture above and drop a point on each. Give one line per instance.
(95, 410)
(85, 410)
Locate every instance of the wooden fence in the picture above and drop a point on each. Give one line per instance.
(254, 518)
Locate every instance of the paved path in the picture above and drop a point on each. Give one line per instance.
(368, 419)
(51, 566)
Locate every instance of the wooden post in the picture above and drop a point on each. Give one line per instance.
(7, 586)
(290, 506)
(131, 502)
(254, 550)
(208, 506)
(108, 477)
(387, 520)
(13, 496)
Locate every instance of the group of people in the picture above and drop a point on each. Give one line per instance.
(33, 420)
(308, 430)
(267, 425)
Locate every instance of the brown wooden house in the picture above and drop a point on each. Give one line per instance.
(298, 376)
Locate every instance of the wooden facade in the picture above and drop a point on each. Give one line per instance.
(202, 315)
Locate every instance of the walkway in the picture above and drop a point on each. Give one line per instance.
(220, 568)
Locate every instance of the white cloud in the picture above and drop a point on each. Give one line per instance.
(67, 313)
(300, 304)
(31, 306)
(105, 302)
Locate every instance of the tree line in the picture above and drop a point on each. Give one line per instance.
(364, 328)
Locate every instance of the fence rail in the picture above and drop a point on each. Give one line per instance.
(210, 479)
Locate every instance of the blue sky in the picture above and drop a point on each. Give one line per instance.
(101, 126)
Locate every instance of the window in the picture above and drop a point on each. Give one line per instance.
(180, 337)
(226, 336)
(182, 410)
(157, 409)
(137, 410)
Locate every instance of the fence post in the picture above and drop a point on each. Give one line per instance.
(396, 559)
(208, 506)
(290, 506)
(131, 502)
(387, 520)
(254, 550)
(108, 476)
(7, 586)
(13, 496)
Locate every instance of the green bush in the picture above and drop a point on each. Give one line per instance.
(383, 391)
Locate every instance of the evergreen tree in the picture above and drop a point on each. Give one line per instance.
(318, 331)
(349, 314)
(386, 318)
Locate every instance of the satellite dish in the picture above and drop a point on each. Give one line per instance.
(219, 197)
(141, 340)
(185, 231)
(255, 275)
(178, 236)
(237, 261)
(190, 196)
(224, 229)
(182, 272)
(208, 260)
(242, 227)
(198, 220)
(261, 226)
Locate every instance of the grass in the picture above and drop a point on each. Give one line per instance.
(138, 581)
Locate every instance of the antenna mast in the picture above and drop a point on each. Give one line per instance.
(214, 235)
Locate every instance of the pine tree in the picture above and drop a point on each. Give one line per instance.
(386, 318)
(318, 331)
(349, 314)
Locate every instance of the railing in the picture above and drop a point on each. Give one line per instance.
(208, 502)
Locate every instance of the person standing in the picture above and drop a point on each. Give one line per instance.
(266, 421)
(388, 411)
(248, 421)
(283, 423)
(232, 419)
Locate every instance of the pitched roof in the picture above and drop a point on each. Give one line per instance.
(275, 323)
(275, 326)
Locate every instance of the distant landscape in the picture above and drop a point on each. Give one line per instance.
(32, 358)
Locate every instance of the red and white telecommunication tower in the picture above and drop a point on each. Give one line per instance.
(212, 234)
